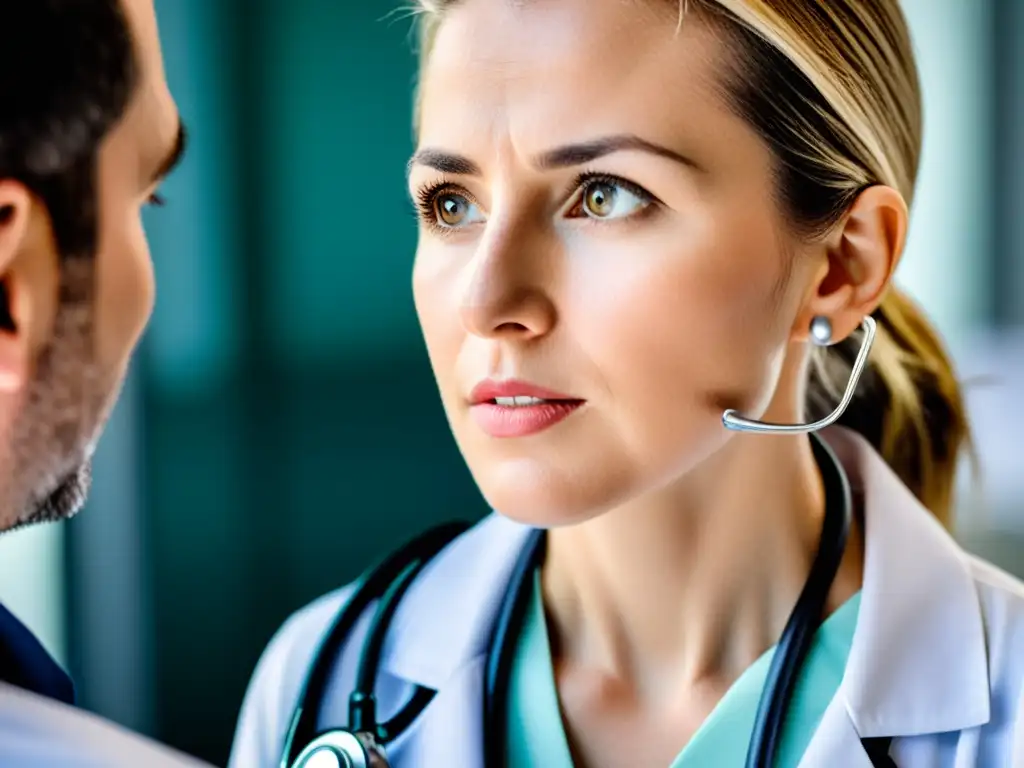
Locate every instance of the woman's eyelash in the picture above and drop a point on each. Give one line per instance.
(426, 202)
(590, 178)
(426, 196)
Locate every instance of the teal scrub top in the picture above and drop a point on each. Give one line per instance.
(537, 737)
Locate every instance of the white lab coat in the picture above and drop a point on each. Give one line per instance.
(937, 659)
(37, 732)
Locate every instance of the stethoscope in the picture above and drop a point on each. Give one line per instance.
(362, 743)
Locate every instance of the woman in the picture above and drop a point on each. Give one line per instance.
(635, 217)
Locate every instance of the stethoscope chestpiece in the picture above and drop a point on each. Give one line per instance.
(342, 749)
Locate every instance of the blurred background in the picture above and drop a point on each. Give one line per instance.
(282, 387)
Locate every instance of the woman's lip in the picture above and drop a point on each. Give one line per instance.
(521, 420)
(489, 390)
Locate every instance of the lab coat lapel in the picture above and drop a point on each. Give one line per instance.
(450, 731)
(918, 662)
(445, 620)
(439, 640)
(836, 742)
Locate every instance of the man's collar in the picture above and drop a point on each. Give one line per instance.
(25, 663)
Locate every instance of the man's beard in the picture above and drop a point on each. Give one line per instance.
(62, 413)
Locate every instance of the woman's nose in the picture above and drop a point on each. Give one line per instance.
(509, 293)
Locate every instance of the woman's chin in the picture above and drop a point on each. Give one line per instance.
(545, 518)
(546, 500)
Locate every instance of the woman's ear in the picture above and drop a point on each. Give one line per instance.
(861, 255)
(15, 353)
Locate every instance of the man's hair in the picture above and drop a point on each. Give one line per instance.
(67, 74)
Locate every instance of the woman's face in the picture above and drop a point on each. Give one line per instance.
(598, 227)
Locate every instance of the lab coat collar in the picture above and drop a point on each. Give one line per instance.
(918, 661)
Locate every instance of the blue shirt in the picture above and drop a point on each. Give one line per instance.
(537, 737)
(25, 663)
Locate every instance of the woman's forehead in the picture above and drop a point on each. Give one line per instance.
(545, 72)
(586, 40)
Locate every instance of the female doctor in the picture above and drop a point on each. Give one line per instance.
(651, 237)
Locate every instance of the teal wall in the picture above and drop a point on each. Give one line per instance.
(284, 384)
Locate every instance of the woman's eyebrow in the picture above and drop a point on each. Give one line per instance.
(560, 157)
(445, 162)
(588, 151)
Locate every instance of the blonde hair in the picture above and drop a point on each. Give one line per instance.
(833, 89)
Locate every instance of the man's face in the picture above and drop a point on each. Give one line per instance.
(78, 320)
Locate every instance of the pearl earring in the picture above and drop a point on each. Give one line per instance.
(821, 330)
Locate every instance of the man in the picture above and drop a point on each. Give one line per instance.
(88, 129)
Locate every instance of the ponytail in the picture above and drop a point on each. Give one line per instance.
(832, 89)
(909, 405)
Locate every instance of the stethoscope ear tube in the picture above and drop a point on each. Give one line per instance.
(803, 623)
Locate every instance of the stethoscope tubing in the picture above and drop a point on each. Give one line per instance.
(374, 584)
(798, 635)
(502, 648)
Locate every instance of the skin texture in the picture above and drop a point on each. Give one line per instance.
(75, 326)
(677, 548)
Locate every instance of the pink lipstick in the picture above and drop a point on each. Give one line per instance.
(517, 408)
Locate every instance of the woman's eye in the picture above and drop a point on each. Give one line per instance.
(453, 210)
(608, 200)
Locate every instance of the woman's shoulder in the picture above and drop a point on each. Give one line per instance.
(478, 550)
(1001, 600)
(289, 651)
(277, 681)
(441, 609)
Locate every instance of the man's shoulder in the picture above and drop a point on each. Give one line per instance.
(37, 732)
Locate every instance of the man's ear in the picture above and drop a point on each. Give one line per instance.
(862, 253)
(15, 353)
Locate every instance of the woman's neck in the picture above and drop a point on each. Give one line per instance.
(691, 584)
